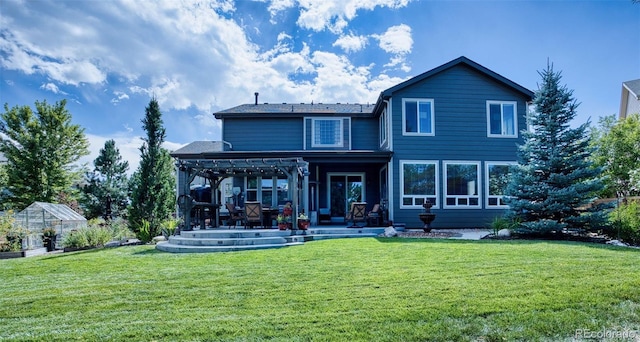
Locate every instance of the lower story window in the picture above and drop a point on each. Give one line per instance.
(498, 175)
(462, 184)
(419, 183)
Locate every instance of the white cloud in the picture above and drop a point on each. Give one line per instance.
(51, 87)
(351, 43)
(128, 145)
(397, 39)
(192, 57)
(334, 15)
(119, 96)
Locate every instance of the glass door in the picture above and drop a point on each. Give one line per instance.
(344, 189)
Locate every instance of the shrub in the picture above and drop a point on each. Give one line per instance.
(11, 234)
(120, 229)
(169, 227)
(503, 222)
(144, 231)
(92, 236)
(625, 222)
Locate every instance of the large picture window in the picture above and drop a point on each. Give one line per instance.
(418, 117)
(497, 178)
(327, 132)
(462, 184)
(419, 183)
(502, 119)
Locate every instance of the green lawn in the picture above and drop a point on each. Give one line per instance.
(351, 289)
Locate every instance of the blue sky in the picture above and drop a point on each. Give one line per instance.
(197, 57)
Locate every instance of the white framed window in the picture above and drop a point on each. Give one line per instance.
(502, 119)
(326, 132)
(383, 126)
(462, 184)
(418, 117)
(419, 181)
(497, 176)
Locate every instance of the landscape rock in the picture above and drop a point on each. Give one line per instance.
(158, 238)
(113, 243)
(616, 243)
(390, 232)
(504, 233)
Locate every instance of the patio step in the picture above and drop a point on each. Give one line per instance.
(167, 247)
(228, 240)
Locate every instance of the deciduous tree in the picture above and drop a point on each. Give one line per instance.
(41, 148)
(617, 151)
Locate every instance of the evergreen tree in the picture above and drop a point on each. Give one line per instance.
(40, 148)
(554, 177)
(105, 194)
(153, 183)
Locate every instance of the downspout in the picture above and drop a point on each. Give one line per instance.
(390, 179)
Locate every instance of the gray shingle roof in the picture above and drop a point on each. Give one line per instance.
(298, 108)
(197, 147)
(633, 86)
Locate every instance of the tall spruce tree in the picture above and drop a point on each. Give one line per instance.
(106, 188)
(41, 149)
(153, 183)
(554, 177)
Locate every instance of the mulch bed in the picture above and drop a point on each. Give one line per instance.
(423, 235)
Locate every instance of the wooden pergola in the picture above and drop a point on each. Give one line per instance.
(216, 170)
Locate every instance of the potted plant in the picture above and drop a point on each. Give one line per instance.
(287, 212)
(49, 238)
(282, 222)
(303, 221)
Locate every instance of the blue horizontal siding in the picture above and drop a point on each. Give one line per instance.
(257, 134)
(460, 96)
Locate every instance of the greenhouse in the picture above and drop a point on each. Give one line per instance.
(40, 215)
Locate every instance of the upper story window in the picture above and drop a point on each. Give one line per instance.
(326, 132)
(502, 119)
(417, 117)
(383, 127)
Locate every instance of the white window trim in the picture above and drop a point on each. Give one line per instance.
(515, 119)
(433, 115)
(486, 183)
(382, 124)
(437, 183)
(340, 143)
(444, 185)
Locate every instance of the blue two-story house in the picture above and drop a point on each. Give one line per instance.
(447, 136)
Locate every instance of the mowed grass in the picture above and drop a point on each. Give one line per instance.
(350, 289)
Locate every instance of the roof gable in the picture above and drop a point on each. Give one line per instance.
(458, 61)
(633, 87)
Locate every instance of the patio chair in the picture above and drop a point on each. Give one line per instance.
(373, 217)
(357, 214)
(252, 214)
(234, 215)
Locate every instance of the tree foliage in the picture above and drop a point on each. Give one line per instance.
(153, 183)
(40, 148)
(617, 151)
(106, 189)
(554, 177)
